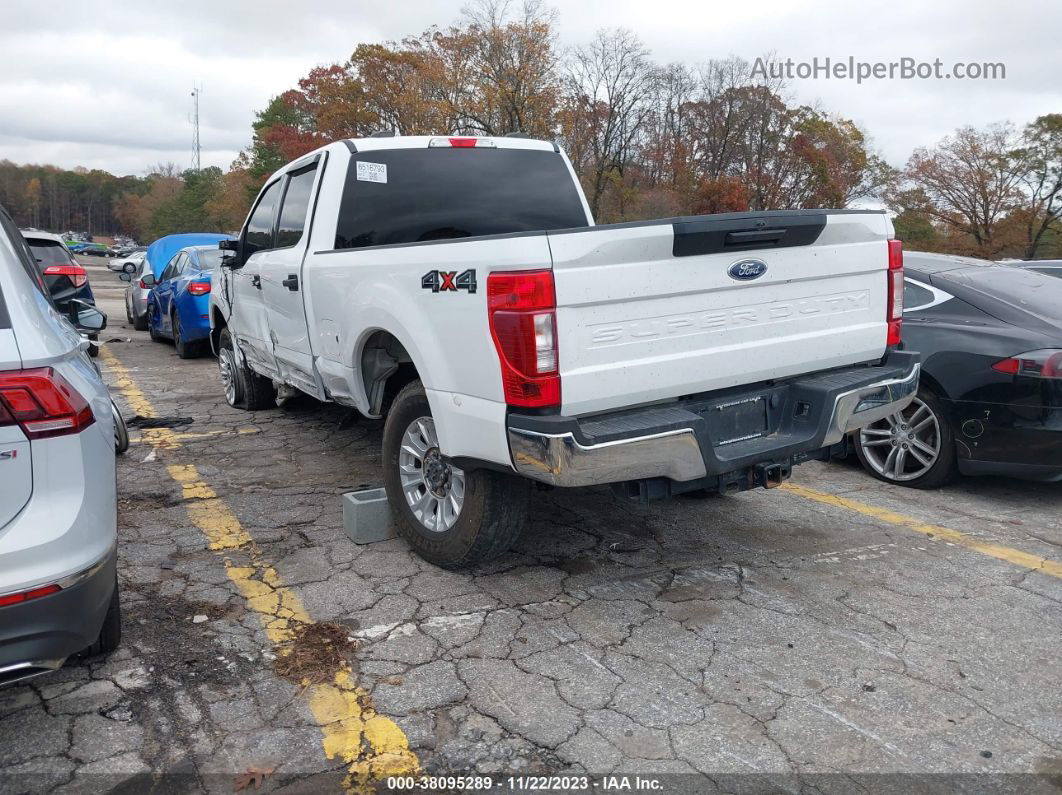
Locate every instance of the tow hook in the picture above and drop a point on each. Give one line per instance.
(771, 476)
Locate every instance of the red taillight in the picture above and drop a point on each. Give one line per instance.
(1045, 363)
(523, 322)
(462, 142)
(75, 272)
(25, 596)
(199, 288)
(43, 403)
(142, 285)
(894, 307)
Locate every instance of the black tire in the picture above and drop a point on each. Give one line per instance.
(251, 390)
(942, 470)
(111, 632)
(129, 314)
(121, 432)
(491, 517)
(148, 318)
(140, 323)
(185, 350)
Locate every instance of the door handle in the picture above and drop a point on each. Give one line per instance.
(292, 282)
(256, 281)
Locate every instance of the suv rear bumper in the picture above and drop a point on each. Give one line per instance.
(37, 636)
(694, 439)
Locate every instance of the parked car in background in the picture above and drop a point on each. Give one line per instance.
(178, 307)
(136, 294)
(990, 400)
(119, 264)
(58, 502)
(65, 278)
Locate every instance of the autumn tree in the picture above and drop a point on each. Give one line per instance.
(608, 93)
(1041, 160)
(972, 181)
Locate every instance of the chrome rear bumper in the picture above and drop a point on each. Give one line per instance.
(653, 447)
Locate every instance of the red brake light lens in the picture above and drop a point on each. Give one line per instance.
(462, 142)
(523, 323)
(199, 288)
(894, 307)
(76, 273)
(1045, 363)
(43, 403)
(25, 596)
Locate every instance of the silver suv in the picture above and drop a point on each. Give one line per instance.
(58, 505)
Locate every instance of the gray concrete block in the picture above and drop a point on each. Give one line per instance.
(367, 516)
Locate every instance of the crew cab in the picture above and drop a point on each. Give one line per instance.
(458, 288)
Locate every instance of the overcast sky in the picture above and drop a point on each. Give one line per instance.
(107, 84)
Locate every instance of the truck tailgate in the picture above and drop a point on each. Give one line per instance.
(655, 310)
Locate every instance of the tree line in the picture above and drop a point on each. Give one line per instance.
(646, 140)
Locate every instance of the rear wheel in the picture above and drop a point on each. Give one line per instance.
(186, 350)
(140, 323)
(244, 388)
(152, 323)
(913, 447)
(121, 433)
(111, 632)
(451, 517)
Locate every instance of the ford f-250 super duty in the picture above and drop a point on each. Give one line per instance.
(457, 287)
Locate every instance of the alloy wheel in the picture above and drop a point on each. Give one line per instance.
(434, 489)
(905, 445)
(227, 367)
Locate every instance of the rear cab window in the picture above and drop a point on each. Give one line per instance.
(399, 196)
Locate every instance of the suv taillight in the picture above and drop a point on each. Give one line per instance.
(894, 307)
(76, 273)
(199, 288)
(42, 403)
(523, 322)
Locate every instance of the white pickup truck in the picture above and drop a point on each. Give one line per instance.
(458, 287)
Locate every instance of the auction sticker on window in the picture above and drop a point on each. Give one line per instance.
(372, 172)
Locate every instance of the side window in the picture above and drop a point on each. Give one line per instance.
(259, 234)
(915, 296)
(296, 203)
(173, 267)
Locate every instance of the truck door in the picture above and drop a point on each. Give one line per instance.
(247, 322)
(282, 281)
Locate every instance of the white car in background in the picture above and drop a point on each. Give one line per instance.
(121, 264)
(58, 504)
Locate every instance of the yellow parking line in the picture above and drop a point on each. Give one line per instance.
(1010, 555)
(372, 746)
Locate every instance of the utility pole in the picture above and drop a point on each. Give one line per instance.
(196, 91)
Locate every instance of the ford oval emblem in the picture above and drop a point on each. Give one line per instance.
(745, 270)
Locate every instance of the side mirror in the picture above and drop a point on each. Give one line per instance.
(148, 280)
(85, 316)
(233, 260)
(126, 277)
(129, 267)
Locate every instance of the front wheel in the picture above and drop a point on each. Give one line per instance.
(451, 517)
(121, 433)
(913, 447)
(244, 388)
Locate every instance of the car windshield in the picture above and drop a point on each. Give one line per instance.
(209, 259)
(49, 252)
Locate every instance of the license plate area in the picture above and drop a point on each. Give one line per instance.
(737, 420)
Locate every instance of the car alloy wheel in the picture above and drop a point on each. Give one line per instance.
(433, 488)
(904, 445)
(227, 366)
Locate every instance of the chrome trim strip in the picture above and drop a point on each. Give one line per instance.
(860, 407)
(69, 580)
(561, 461)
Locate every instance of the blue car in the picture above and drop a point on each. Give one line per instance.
(178, 306)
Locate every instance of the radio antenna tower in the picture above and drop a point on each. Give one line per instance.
(196, 91)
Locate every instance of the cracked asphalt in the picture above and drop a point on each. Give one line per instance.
(761, 642)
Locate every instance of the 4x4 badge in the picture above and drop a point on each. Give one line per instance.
(449, 281)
